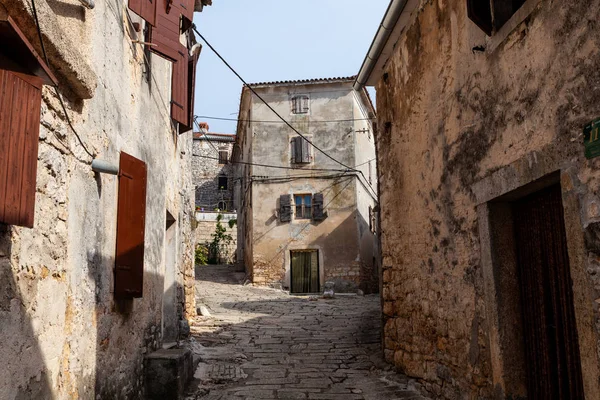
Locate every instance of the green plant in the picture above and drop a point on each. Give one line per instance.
(201, 255)
(220, 243)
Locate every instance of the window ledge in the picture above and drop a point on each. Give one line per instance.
(66, 60)
(500, 37)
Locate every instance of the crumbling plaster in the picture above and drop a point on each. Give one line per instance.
(59, 319)
(346, 247)
(450, 117)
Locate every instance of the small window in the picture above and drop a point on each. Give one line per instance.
(300, 104)
(223, 157)
(491, 15)
(300, 149)
(303, 204)
(222, 182)
(222, 206)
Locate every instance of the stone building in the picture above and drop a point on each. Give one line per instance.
(304, 219)
(96, 260)
(490, 207)
(212, 171)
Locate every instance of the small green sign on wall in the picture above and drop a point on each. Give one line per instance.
(591, 137)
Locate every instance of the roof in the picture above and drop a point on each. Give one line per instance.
(215, 137)
(307, 81)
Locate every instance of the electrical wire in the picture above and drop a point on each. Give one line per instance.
(374, 192)
(39, 31)
(283, 122)
(263, 100)
(273, 166)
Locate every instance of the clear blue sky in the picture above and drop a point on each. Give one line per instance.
(270, 40)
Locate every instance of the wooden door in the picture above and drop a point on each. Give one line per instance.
(305, 272)
(551, 345)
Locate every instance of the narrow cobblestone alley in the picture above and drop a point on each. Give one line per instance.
(264, 344)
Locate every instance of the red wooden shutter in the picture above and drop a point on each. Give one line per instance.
(191, 86)
(145, 9)
(187, 8)
(20, 101)
(131, 217)
(165, 35)
(179, 88)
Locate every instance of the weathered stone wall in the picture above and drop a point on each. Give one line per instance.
(204, 235)
(64, 335)
(456, 124)
(206, 172)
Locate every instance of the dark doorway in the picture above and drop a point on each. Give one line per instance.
(551, 346)
(305, 271)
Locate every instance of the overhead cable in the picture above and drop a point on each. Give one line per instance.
(283, 122)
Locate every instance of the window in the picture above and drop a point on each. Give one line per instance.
(222, 182)
(20, 101)
(223, 157)
(300, 104)
(491, 15)
(300, 150)
(303, 204)
(222, 206)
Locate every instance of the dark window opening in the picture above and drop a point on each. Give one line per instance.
(222, 182)
(491, 15)
(303, 204)
(223, 157)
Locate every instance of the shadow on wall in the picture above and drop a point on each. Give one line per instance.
(126, 330)
(20, 349)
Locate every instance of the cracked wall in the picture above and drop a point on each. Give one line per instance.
(65, 336)
(449, 118)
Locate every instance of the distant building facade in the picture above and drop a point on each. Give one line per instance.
(303, 218)
(212, 171)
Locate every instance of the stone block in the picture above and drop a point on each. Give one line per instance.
(167, 373)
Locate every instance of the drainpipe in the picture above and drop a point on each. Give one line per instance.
(392, 15)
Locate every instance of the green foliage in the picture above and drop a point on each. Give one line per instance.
(220, 243)
(232, 223)
(201, 255)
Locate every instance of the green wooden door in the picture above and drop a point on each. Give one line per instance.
(305, 271)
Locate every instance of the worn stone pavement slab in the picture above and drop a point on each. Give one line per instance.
(265, 344)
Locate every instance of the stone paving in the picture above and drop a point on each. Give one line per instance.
(265, 344)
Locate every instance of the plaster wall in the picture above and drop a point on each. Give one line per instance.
(458, 128)
(64, 335)
(338, 238)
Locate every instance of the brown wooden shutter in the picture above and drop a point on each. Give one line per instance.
(318, 207)
(298, 150)
(131, 225)
(145, 9)
(191, 86)
(285, 208)
(480, 13)
(20, 101)
(187, 9)
(179, 89)
(165, 34)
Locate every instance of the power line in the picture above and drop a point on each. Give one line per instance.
(274, 166)
(283, 122)
(39, 31)
(263, 100)
(366, 162)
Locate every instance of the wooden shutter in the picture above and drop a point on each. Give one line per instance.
(131, 225)
(187, 9)
(145, 9)
(179, 89)
(191, 86)
(285, 208)
(480, 13)
(318, 207)
(298, 150)
(305, 151)
(165, 35)
(20, 101)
